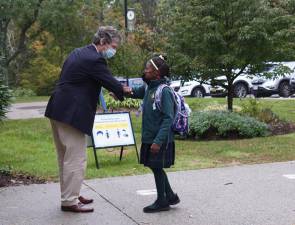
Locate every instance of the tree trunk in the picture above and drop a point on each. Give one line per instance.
(230, 96)
(3, 50)
(100, 13)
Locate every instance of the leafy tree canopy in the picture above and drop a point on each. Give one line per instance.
(212, 38)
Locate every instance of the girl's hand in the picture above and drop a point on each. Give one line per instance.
(127, 90)
(114, 96)
(155, 148)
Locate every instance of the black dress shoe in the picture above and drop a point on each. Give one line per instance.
(157, 206)
(173, 200)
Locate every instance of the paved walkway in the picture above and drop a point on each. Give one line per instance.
(26, 110)
(245, 195)
(37, 109)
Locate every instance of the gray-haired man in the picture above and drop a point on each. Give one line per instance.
(72, 107)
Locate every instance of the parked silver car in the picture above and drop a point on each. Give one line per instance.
(242, 86)
(279, 85)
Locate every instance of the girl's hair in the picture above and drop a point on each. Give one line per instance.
(160, 64)
(106, 35)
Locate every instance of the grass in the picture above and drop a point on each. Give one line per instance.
(30, 99)
(26, 146)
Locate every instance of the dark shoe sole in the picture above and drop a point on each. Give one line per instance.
(76, 211)
(175, 202)
(156, 210)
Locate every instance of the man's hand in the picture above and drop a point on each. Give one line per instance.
(155, 148)
(114, 96)
(127, 90)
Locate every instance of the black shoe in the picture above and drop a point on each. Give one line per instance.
(173, 200)
(157, 206)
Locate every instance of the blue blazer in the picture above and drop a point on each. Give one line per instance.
(76, 94)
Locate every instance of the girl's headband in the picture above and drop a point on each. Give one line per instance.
(154, 64)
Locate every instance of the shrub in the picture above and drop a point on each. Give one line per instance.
(253, 108)
(127, 103)
(225, 124)
(268, 116)
(5, 170)
(5, 96)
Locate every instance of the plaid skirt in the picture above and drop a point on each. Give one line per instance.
(163, 159)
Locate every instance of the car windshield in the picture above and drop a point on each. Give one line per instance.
(269, 67)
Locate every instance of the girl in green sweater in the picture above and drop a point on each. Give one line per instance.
(158, 148)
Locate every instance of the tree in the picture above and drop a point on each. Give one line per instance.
(208, 39)
(71, 24)
(5, 96)
(18, 16)
(129, 60)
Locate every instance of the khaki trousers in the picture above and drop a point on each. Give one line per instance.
(71, 154)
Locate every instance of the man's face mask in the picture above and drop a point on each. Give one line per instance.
(109, 53)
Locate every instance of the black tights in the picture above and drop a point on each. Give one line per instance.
(164, 189)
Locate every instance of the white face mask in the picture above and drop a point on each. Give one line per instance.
(109, 53)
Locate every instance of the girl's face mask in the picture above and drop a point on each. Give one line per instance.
(144, 79)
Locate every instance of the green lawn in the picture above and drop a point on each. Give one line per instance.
(30, 99)
(26, 146)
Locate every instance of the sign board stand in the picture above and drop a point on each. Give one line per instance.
(112, 130)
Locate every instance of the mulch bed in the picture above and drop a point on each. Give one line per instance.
(9, 179)
(281, 127)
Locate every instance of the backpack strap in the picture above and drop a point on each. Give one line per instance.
(158, 95)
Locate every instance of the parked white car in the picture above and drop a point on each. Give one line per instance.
(191, 88)
(292, 83)
(175, 84)
(242, 86)
(279, 85)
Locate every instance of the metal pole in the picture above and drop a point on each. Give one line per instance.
(126, 32)
(125, 14)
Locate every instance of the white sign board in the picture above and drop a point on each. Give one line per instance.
(112, 129)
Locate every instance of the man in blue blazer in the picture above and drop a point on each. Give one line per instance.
(72, 107)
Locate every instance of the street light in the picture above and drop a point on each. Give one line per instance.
(129, 15)
(125, 14)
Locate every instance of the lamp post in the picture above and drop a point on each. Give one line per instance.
(129, 16)
(126, 35)
(125, 15)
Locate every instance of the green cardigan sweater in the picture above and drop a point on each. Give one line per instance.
(156, 124)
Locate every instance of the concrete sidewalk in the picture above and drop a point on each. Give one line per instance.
(37, 109)
(26, 110)
(246, 195)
